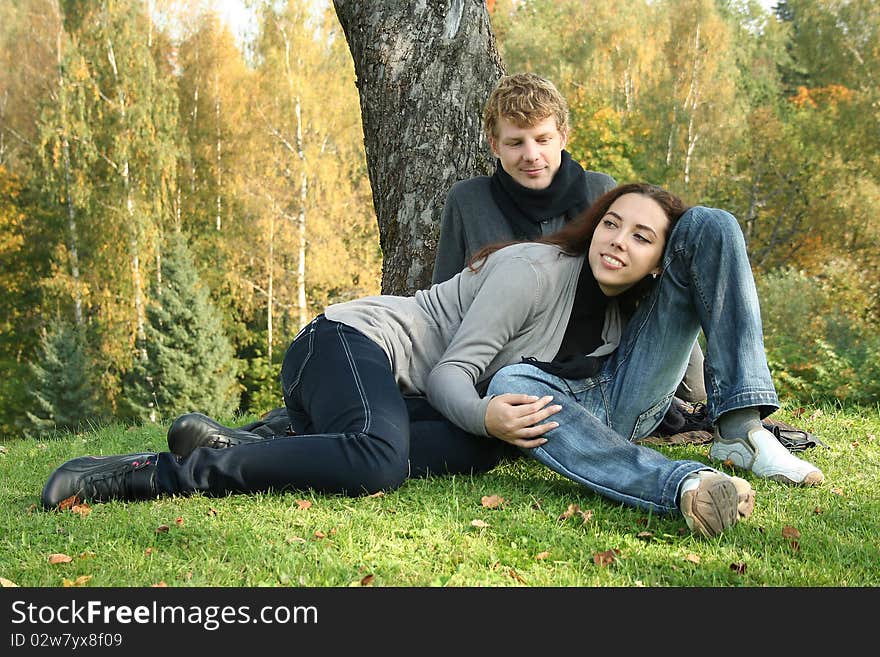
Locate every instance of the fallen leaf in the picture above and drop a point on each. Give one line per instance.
(790, 532)
(320, 534)
(605, 558)
(795, 545)
(817, 413)
(149, 551)
(693, 558)
(88, 554)
(854, 444)
(59, 558)
(294, 539)
(645, 536)
(162, 529)
(738, 567)
(537, 505)
(379, 493)
(479, 523)
(367, 580)
(81, 509)
(7, 583)
(79, 581)
(160, 585)
(837, 491)
(569, 512)
(818, 510)
(178, 521)
(642, 522)
(67, 502)
(516, 576)
(575, 509)
(4, 449)
(542, 555)
(492, 501)
(212, 511)
(303, 504)
(333, 531)
(32, 508)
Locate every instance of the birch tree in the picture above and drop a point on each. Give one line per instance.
(424, 71)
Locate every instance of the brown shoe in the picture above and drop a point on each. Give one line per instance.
(745, 497)
(713, 505)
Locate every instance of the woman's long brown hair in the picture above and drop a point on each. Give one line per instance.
(574, 238)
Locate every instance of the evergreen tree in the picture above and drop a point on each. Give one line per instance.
(62, 388)
(189, 364)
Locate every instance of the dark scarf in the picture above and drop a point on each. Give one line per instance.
(526, 208)
(583, 333)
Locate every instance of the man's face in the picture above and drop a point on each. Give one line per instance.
(531, 156)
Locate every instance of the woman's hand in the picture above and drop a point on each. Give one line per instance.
(515, 419)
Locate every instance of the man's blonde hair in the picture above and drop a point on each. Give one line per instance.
(524, 99)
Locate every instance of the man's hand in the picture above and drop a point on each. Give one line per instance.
(515, 419)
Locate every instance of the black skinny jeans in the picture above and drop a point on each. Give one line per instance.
(356, 433)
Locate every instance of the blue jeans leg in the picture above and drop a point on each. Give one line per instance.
(350, 417)
(438, 447)
(584, 449)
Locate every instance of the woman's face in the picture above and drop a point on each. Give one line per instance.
(628, 243)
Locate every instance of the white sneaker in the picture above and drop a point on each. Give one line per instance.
(766, 457)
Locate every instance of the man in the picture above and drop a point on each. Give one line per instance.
(535, 189)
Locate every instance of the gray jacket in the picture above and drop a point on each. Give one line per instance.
(443, 341)
(471, 220)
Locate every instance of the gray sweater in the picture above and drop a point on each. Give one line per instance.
(471, 220)
(443, 341)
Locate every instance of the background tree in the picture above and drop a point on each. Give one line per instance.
(424, 71)
(62, 390)
(305, 236)
(25, 260)
(189, 364)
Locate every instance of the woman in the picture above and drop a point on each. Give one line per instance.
(704, 280)
(346, 375)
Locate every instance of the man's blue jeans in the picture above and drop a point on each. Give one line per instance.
(706, 282)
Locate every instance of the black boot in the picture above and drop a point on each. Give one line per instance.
(102, 478)
(271, 424)
(194, 430)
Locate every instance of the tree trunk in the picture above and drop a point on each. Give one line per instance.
(72, 230)
(301, 305)
(424, 70)
(132, 220)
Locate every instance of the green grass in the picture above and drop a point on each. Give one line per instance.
(422, 534)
